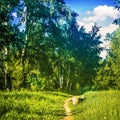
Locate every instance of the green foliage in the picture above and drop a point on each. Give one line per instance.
(53, 53)
(6, 34)
(117, 7)
(87, 52)
(108, 77)
(115, 56)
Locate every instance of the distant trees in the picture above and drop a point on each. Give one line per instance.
(87, 50)
(109, 74)
(117, 7)
(108, 77)
(6, 38)
(53, 53)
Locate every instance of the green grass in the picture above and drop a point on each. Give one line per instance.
(104, 105)
(32, 105)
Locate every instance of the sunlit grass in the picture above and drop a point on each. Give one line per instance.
(104, 105)
(32, 105)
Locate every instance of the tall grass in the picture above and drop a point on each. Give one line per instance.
(32, 105)
(104, 105)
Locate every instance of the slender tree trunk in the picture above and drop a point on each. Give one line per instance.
(23, 52)
(5, 81)
(24, 74)
(5, 70)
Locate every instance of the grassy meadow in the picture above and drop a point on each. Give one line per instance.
(32, 105)
(103, 105)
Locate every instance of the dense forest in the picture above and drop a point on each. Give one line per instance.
(54, 52)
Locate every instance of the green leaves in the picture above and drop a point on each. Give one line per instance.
(53, 53)
(108, 75)
(117, 7)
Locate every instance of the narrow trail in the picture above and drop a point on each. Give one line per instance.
(67, 110)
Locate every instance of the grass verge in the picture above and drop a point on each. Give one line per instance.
(102, 105)
(32, 105)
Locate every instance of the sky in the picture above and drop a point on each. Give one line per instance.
(101, 12)
(83, 5)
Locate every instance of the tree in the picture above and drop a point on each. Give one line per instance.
(53, 53)
(6, 38)
(115, 56)
(108, 75)
(117, 6)
(87, 52)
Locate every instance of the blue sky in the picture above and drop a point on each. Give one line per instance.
(83, 5)
(101, 12)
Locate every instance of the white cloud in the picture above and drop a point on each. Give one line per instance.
(88, 12)
(103, 16)
(107, 29)
(103, 54)
(87, 26)
(101, 13)
(105, 10)
(80, 23)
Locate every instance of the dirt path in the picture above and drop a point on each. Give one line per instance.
(67, 110)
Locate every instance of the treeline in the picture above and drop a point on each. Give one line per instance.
(108, 76)
(54, 52)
